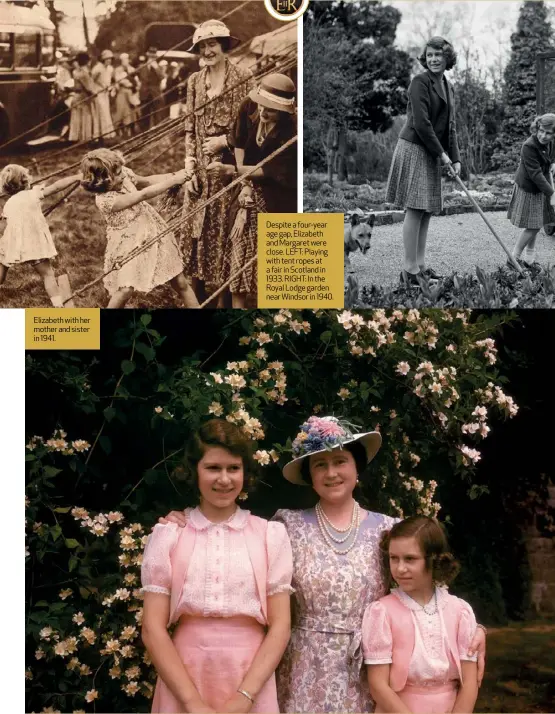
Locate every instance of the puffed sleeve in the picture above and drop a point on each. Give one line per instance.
(377, 640)
(156, 570)
(467, 628)
(280, 560)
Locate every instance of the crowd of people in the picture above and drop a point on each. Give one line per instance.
(115, 97)
(231, 125)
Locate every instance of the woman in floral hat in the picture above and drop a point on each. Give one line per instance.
(336, 571)
(214, 96)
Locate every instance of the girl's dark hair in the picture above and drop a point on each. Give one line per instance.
(82, 58)
(439, 43)
(222, 433)
(432, 541)
(98, 168)
(357, 450)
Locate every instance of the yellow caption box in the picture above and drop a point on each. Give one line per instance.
(62, 328)
(300, 260)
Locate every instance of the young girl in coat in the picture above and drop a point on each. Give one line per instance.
(225, 579)
(533, 201)
(27, 237)
(416, 639)
(131, 222)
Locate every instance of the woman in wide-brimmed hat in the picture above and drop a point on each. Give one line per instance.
(428, 140)
(214, 96)
(336, 570)
(266, 121)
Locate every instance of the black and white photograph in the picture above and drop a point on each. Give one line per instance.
(431, 126)
(139, 141)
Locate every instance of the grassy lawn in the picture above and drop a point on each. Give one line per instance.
(79, 234)
(520, 669)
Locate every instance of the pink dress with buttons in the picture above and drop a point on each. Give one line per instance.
(220, 616)
(433, 674)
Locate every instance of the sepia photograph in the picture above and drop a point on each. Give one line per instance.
(331, 511)
(431, 126)
(139, 140)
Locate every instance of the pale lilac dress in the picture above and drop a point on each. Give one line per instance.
(433, 676)
(221, 620)
(322, 668)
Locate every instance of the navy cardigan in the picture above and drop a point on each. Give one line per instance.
(533, 170)
(430, 119)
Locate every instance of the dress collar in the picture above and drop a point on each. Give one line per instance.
(440, 592)
(236, 522)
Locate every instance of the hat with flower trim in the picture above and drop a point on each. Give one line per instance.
(319, 434)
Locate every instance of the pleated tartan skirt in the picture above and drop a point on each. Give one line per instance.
(530, 210)
(414, 179)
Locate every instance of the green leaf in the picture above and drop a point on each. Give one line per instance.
(50, 471)
(72, 543)
(105, 444)
(146, 320)
(326, 336)
(30, 457)
(149, 353)
(127, 366)
(151, 476)
(56, 532)
(84, 592)
(57, 606)
(65, 509)
(109, 413)
(73, 563)
(41, 603)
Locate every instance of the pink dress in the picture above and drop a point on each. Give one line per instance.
(433, 675)
(221, 618)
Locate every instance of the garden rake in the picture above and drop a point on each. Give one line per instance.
(486, 220)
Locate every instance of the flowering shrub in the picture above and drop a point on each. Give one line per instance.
(504, 288)
(428, 381)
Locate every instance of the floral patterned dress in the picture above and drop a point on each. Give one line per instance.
(130, 228)
(322, 668)
(204, 233)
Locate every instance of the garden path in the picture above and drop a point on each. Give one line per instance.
(455, 243)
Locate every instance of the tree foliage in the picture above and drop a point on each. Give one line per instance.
(248, 21)
(534, 34)
(352, 72)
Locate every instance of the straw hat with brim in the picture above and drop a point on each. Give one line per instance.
(106, 54)
(213, 30)
(276, 91)
(319, 434)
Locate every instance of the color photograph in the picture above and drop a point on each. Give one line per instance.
(389, 450)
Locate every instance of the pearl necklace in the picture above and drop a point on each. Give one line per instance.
(335, 528)
(330, 539)
(423, 607)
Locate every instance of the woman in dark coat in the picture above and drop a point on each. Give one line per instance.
(428, 140)
(265, 122)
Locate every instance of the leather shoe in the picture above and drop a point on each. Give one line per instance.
(410, 278)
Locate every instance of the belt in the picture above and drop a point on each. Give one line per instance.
(354, 652)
